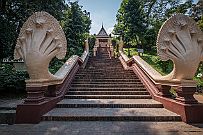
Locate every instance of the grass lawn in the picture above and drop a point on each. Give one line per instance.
(163, 67)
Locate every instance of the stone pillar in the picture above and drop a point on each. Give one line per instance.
(95, 47)
(110, 48)
(95, 51)
(121, 44)
(112, 51)
(186, 95)
(163, 90)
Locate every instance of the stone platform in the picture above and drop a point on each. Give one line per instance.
(102, 128)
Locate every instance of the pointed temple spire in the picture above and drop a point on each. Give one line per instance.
(102, 32)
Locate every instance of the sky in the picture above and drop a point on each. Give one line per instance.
(103, 11)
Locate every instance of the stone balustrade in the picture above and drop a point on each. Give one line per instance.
(179, 40)
(40, 40)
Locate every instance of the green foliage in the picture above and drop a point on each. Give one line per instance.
(130, 18)
(139, 21)
(133, 51)
(163, 67)
(55, 65)
(197, 10)
(179, 8)
(199, 82)
(13, 13)
(76, 26)
(91, 42)
(149, 40)
(200, 23)
(12, 80)
(199, 75)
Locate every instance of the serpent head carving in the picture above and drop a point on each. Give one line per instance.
(40, 40)
(181, 41)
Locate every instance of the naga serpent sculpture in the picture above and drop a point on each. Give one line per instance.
(40, 40)
(181, 41)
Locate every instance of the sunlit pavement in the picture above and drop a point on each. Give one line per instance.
(103, 128)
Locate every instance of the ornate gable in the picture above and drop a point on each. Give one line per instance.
(102, 32)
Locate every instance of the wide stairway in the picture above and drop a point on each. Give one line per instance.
(104, 91)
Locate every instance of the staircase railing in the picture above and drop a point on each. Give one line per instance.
(181, 78)
(41, 39)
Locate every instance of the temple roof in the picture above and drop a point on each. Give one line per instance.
(102, 32)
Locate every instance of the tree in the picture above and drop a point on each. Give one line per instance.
(130, 18)
(197, 10)
(180, 8)
(13, 13)
(91, 42)
(76, 27)
(141, 20)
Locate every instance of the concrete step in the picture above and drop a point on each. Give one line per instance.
(7, 116)
(108, 80)
(104, 83)
(105, 68)
(109, 103)
(105, 62)
(99, 69)
(96, 59)
(114, 75)
(8, 110)
(107, 93)
(112, 90)
(108, 67)
(105, 77)
(105, 89)
(110, 114)
(108, 85)
(92, 70)
(105, 73)
(108, 97)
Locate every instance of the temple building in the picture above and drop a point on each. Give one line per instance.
(103, 41)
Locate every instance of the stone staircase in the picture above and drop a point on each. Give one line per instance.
(104, 91)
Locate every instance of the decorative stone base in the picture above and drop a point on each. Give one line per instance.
(164, 90)
(40, 100)
(31, 113)
(185, 95)
(35, 94)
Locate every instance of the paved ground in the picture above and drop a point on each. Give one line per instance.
(99, 128)
(9, 103)
(103, 128)
(12, 103)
